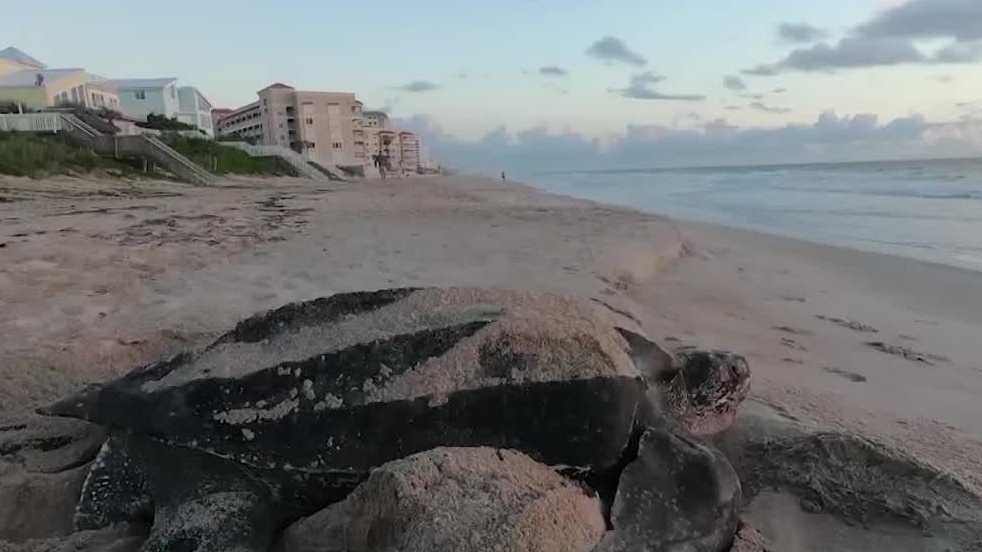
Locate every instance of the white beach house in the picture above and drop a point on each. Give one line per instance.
(141, 97)
(195, 109)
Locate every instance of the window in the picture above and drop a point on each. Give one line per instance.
(337, 145)
(140, 94)
(75, 95)
(310, 121)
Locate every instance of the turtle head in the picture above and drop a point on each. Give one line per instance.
(713, 377)
(82, 405)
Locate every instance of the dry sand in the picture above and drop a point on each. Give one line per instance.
(97, 276)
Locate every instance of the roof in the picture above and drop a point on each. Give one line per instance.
(13, 54)
(129, 84)
(277, 85)
(198, 93)
(246, 107)
(28, 77)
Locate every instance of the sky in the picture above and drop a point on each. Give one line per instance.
(574, 83)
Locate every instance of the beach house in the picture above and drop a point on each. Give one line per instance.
(141, 97)
(31, 84)
(195, 109)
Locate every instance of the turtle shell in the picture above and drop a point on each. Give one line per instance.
(350, 381)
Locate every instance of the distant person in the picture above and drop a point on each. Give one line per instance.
(502, 176)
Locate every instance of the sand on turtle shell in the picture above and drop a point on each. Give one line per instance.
(569, 338)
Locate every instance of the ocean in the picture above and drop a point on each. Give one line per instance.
(929, 210)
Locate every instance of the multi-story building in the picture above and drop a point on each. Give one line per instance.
(217, 114)
(243, 122)
(195, 109)
(392, 151)
(319, 125)
(327, 128)
(30, 83)
(375, 119)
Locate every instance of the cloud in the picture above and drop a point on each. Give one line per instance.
(763, 70)
(779, 90)
(648, 77)
(944, 78)
(733, 108)
(553, 71)
(760, 106)
(718, 142)
(419, 86)
(752, 96)
(734, 83)
(957, 19)
(959, 52)
(800, 32)
(889, 39)
(640, 89)
(611, 49)
(848, 52)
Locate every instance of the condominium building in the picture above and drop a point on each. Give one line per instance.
(327, 128)
(376, 119)
(393, 151)
(319, 125)
(244, 123)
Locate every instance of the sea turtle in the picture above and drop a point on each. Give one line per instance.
(289, 410)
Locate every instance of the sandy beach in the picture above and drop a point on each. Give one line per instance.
(98, 276)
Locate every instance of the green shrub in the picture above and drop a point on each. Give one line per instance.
(219, 159)
(38, 155)
(160, 122)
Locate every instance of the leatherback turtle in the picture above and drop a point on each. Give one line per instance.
(288, 411)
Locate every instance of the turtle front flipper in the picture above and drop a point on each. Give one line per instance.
(204, 503)
(219, 522)
(115, 490)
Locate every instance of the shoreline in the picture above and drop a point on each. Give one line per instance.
(719, 227)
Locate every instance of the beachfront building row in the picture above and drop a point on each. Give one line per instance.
(327, 128)
(29, 83)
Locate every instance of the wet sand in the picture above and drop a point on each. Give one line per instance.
(98, 276)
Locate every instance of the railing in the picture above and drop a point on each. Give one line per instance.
(31, 122)
(143, 145)
(293, 158)
(191, 169)
(79, 125)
